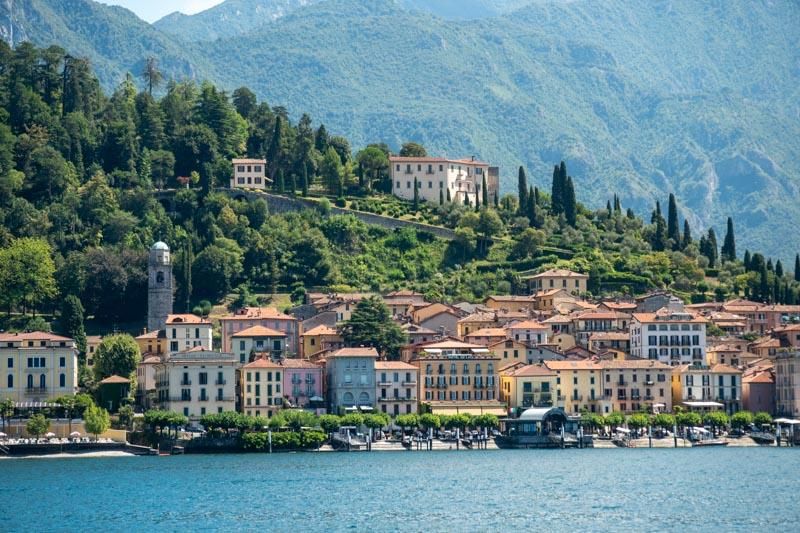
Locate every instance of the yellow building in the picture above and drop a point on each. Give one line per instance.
(261, 382)
(320, 338)
(92, 343)
(631, 386)
(578, 385)
(528, 386)
(459, 377)
(697, 386)
(510, 351)
(153, 342)
(510, 303)
(572, 282)
(37, 366)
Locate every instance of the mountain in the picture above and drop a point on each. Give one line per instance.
(115, 39)
(233, 17)
(643, 98)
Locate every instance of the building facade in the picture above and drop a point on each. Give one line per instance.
(184, 332)
(37, 366)
(196, 382)
(787, 383)
(636, 385)
(528, 386)
(578, 385)
(261, 340)
(396, 387)
(720, 384)
(351, 379)
(671, 337)
(249, 174)
(159, 286)
(303, 384)
(461, 178)
(572, 282)
(261, 388)
(268, 317)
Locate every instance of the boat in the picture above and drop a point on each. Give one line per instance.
(710, 442)
(762, 437)
(177, 450)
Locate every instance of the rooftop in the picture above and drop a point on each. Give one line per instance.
(465, 160)
(558, 273)
(528, 324)
(33, 336)
(251, 161)
(257, 313)
(114, 380)
(259, 331)
(572, 365)
(355, 352)
(186, 318)
(393, 365)
(322, 329)
(531, 371)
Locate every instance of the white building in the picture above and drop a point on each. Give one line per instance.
(463, 178)
(37, 366)
(669, 336)
(260, 340)
(529, 332)
(197, 382)
(188, 331)
(249, 174)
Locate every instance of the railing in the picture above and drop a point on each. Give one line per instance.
(649, 397)
(203, 399)
(408, 171)
(409, 383)
(186, 382)
(310, 381)
(296, 381)
(223, 398)
(384, 383)
(36, 390)
(577, 397)
(621, 383)
(220, 382)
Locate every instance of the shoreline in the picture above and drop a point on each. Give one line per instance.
(64, 455)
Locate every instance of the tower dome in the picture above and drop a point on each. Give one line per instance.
(160, 246)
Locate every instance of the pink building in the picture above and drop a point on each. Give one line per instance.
(303, 384)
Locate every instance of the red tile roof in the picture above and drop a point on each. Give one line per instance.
(259, 331)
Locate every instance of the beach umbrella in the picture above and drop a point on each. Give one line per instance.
(50, 435)
(75, 434)
(3, 435)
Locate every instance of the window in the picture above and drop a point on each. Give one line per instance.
(203, 378)
(430, 184)
(240, 168)
(10, 381)
(62, 380)
(249, 168)
(10, 362)
(240, 181)
(42, 381)
(441, 167)
(257, 168)
(30, 381)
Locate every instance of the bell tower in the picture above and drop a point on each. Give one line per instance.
(159, 286)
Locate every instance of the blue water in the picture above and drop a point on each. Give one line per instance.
(561, 490)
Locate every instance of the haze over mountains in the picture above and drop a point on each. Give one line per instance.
(642, 98)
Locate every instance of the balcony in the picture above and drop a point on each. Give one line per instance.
(576, 398)
(220, 382)
(203, 399)
(389, 400)
(635, 397)
(562, 398)
(649, 397)
(410, 383)
(223, 399)
(408, 171)
(310, 381)
(186, 382)
(35, 391)
(621, 383)
(296, 381)
(382, 383)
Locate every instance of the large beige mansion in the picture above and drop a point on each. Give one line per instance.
(463, 178)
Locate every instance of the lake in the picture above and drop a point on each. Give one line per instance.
(563, 490)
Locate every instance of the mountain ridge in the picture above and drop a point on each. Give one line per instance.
(608, 86)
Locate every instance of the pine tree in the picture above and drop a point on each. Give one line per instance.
(779, 268)
(522, 190)
(687, 235)
(728, 252)
(673, 230)
(441, 197)
(797, 267)
(416, 195)
(746, 260)
(485, 193)
(570, 204)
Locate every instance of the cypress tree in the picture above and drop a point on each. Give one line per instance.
(496, 201)
(746, 260)
(416, 195)
(712, 248)
(530, 209)
(617, 205)
(763, 286)
(448, 195)
(557, 192)
(304, 181)
(522, 190)
(659, 241)
(279, 182)
(630, 214)
(477, 203)
(570, 204)
(608, 207)
(779, 268)
(274, 150)
(769, 264)
(441, 197)
(687, 235)
(776, 290)
(292, 184)
(797, 267)
(673, 230)
(536, 196)
(485, 193)
(728, 252)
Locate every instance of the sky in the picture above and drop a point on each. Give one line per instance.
(152, 10)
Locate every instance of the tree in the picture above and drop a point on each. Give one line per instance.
(373, 162)
(659, 239)
(570, 204)
(761, 418)
(96, 420)
(687, 235)
(778, 269)
(71, 321)
(522, 190)
(615, 419)
(664, 421)
(6, 410)
(728, 251)
(484, 193)
(304, 181)
(430, 421)
(371, 324)
(638, 421)
(27, 273)
(558, 189)
(746, 260)
(245, 102)
(742, 419)
(415, 204)
(688, 419)
(531, 208)
(716, 419)
(331, 170)
(797, 267)
(151, 75)
(409, 421)
(37, 425)
(673, 231)
(216, 269)
(489, 225)
(330, 423)
(527, 244)
(117, 355)
(412, 149)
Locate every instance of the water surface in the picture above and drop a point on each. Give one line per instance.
(562, 490)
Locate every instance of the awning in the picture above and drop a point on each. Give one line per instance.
(622, 430)
(704, 404)
(447, 410)
(789, 421)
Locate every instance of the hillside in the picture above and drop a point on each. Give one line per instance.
(642, 98)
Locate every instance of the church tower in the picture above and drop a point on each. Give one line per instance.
(159, 286)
